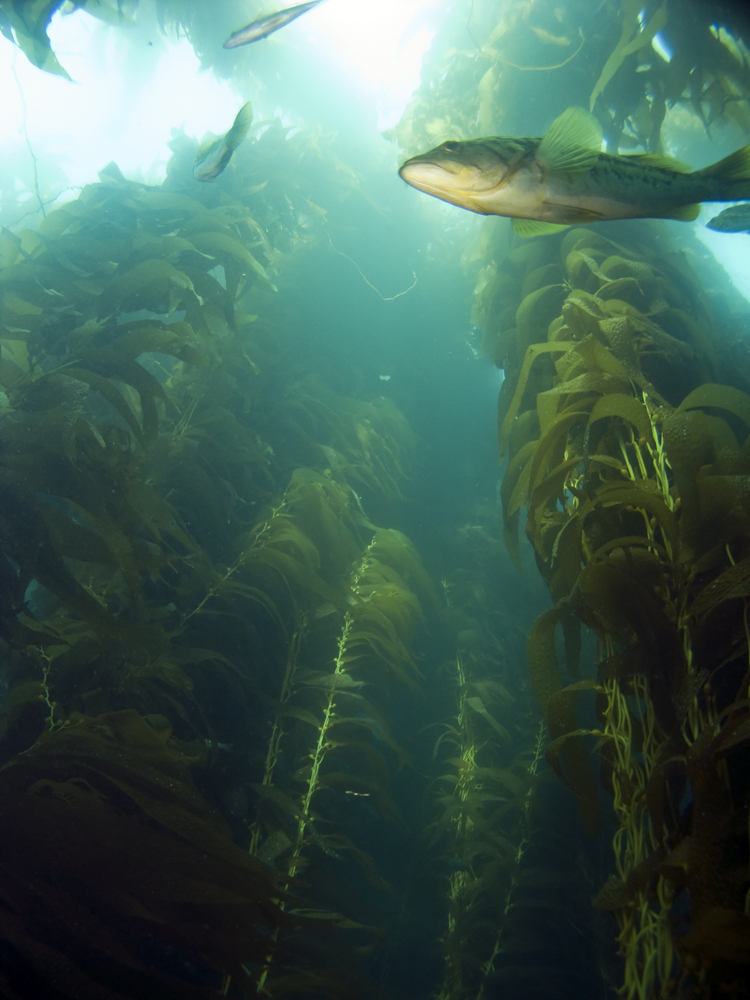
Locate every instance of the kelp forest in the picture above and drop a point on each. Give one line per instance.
(304, 691)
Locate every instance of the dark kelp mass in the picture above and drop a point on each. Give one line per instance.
(266, 724)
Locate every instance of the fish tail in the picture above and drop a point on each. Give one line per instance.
(729, 179)
(238, 131)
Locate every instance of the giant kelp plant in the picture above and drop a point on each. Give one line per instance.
(213, 657)
(627, 454)
(624, 418)
(196, 610)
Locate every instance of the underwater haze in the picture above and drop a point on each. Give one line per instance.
(374, 580)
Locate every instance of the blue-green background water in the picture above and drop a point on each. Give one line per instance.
(368, 306)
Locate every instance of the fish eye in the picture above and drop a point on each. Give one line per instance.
(452, 146)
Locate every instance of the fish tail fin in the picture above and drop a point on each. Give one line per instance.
(729, 179)
(238, 131)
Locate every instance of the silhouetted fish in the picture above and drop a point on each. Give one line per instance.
(214, 154)
(266, 26)
(732, 220)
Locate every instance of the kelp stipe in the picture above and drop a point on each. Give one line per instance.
(479, 805)
(484, 758)
(328, 726)
(630, 459)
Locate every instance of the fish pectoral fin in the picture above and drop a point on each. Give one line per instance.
(532, 227)
(238, 131)
(576, 213)
(572, 143)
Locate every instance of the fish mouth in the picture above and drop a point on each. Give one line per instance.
(419, 170)
(435, 179)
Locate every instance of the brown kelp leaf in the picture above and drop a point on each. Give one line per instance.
(31, 548)
(541, 657)
(722, 397)
(617, 493)
(478, 706)
(551, 488)
(577, 263)
(532, 354)
(113, 396)
(545, 276)
(578, 774)
(622, 293)
(535, 313)
(153, 284)
(665, 787)
(156, 512)
(634, 35)
(222, 246)
(689, 445)
(587, 382)
(583, 313)
(599, 357)
(514, 492)
(551, 448)
(718, 934)
(296, 712)
(629, 408)
(619, 267)
(159, 200)
(561, 715)
(566, 559)
(102, 820)
(733, 582)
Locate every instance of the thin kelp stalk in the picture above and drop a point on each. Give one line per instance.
(367, 630)
(480, 808)
(277, 732)
(489, 966)
(223, 583)
(462, 825)
(644, 938)
(318, 755)
(371, 645)
(321, 746)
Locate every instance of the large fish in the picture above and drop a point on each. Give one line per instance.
(564, 178)
(266, 26)
(214, 154)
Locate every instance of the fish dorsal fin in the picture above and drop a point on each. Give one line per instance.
(572, 143)
(205, 147)
(532, 227)
(659, 160)
(733, 168)
(238, 131)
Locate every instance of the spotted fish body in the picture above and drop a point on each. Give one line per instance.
(214, 155)
(564, 178)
